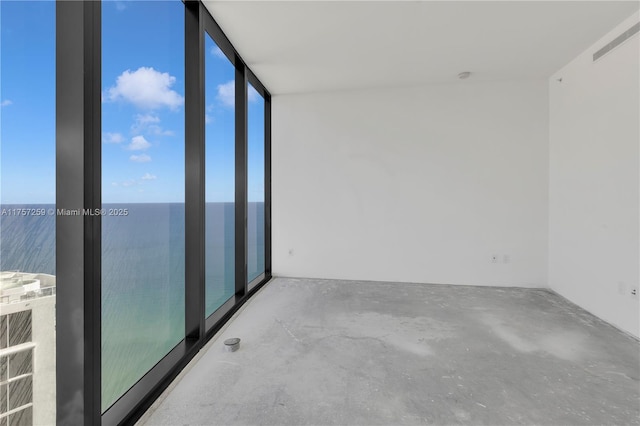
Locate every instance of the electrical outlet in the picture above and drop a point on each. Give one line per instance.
(634, 292)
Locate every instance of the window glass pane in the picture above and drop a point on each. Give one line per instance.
(142, 188)
(255, 185)
(220, 176)
(27, 212)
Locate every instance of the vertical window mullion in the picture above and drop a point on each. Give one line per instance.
(195, 172)
(78, 237)
(267, 186)
(241, 177)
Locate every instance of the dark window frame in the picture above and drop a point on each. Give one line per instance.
(262, 91)
(78, 238)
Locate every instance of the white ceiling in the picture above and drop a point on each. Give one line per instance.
(311, 46)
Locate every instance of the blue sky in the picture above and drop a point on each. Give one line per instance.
(142, 108)
(27, 99)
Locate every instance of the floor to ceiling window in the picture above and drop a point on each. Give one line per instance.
(220, 177)
(95, 194)
(27, 213)
(255, 185)
(143, 222)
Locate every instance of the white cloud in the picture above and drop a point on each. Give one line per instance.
(6, 102)
(120, 6)
(159, 131)
(227, 93)
(125, 183)
(217, 52)
(138, 143)
(208, 117)
(134, 182)
(142, 158)
(143, 121)
(146, 88)
(112, 138)
(148, 123)
(252, 94)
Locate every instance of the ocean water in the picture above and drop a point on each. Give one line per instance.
(28, 243)
(143, 267)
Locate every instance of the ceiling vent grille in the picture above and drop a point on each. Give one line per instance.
(617, 42)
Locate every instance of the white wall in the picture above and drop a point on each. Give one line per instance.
(413, 184)
(594, 181)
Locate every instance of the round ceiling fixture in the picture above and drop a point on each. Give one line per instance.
(464, 74)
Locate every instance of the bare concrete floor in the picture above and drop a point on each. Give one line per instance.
(319, 352)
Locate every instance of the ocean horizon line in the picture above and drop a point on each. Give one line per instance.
(125, 202)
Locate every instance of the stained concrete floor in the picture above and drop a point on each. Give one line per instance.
(320, 352)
